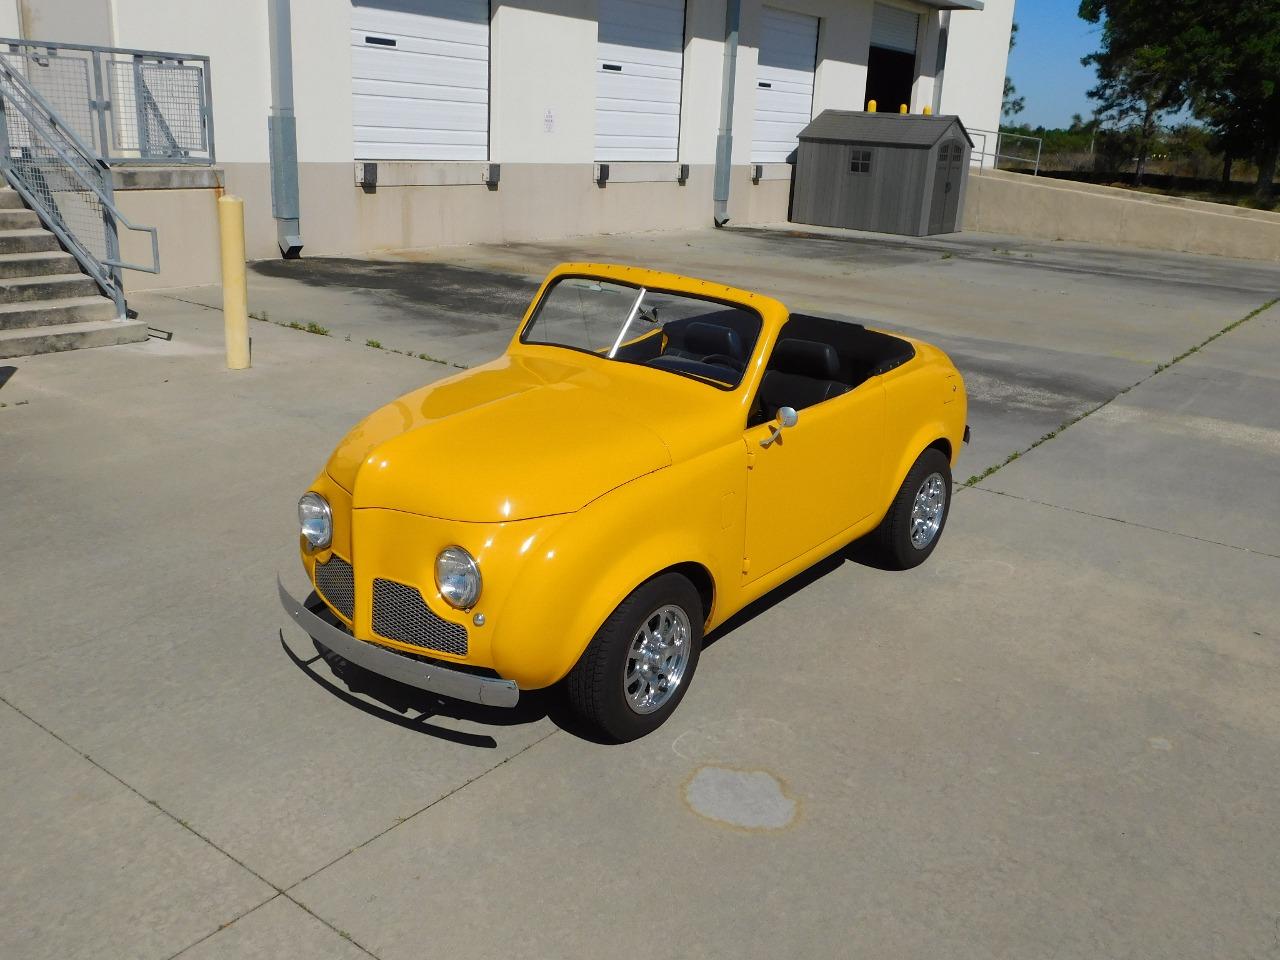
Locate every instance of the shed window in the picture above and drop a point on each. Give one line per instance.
(861, 162)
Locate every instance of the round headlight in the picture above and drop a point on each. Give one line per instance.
(316, 520)
(458, 578)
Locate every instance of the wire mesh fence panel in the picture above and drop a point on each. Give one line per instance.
(130, 105)
(157, 109)
(61, 183)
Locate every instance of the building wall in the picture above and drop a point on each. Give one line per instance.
(542, 119)
(977, 60)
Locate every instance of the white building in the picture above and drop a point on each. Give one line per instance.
(404, 108)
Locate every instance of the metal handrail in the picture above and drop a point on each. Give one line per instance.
(111, 120)
(997, 155)
(47, 125)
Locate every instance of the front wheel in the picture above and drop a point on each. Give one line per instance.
(638, 666)
(918, 514)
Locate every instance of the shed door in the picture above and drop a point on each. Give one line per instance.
(784, 83)
(638, 73)
(946, 189)
(420, 79)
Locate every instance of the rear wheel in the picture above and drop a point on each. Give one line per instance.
(915, 521)
(636, 669)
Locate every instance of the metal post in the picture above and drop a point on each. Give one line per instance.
(101, 101)
(235, 292)
(282, 132)
(724, 138)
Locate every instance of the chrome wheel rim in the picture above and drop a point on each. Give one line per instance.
(657, 659)
(927, 511)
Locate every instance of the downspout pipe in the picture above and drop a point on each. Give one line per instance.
(282, 132)
(724, 138)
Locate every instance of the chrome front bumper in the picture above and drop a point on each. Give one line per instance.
(489, 691)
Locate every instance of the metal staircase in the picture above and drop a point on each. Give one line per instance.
(61, 283)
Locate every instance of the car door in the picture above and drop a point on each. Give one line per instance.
(817, 480)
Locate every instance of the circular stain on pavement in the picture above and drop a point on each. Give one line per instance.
(750, 799)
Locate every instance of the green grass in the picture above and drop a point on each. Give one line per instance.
(315, 328)
(376, 344)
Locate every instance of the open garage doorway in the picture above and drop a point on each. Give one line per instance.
(891, 62)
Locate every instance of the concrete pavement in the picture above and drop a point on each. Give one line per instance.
(1058, 738)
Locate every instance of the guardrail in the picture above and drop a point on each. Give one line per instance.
(68, 187)
(134, 106)
(1009, 147)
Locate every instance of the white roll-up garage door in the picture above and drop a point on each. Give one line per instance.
(894, 28)
(784, 83)
(420, 79)
(641, 59)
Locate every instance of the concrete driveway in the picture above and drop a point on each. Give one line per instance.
(1059, 738)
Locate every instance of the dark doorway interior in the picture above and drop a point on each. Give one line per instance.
(890, 76)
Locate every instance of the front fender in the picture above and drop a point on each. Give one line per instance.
(597, 557)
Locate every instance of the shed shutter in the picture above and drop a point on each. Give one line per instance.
(420, 79)
(894, 29)
(641, 59)
(784, 83)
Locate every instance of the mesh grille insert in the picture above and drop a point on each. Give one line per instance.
(399, 613)
(337, 585)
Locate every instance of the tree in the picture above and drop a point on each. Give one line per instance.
(1136, 88)
(1013, 104)
(1223, 54)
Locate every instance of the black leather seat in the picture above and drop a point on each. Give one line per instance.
(801, 373)
(702, 340)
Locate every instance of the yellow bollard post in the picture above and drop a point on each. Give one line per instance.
(871, 106)
(235, 293)
(928, 111)
(903, 109)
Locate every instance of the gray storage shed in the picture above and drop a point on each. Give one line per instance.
(888, 172)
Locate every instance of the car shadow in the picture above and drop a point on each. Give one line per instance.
(413, 709)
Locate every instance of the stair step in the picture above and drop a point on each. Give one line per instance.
(19, 219)
(37, 264)
(28, 241)
(10, 199)
(70, 336)
(45, 313)
(58, 286)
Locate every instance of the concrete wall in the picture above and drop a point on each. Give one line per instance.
(1011, 203)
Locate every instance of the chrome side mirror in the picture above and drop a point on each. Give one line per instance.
(787, 417)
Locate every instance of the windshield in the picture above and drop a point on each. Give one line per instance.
(703, 339)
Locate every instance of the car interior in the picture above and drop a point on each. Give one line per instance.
(815, 359)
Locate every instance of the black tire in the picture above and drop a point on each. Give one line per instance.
(893, 536)
(595, 687)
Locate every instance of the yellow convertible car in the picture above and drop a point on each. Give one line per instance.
(651, 454)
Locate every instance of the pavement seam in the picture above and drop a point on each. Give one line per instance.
(1160, 368)
(1128, 523)
(404, 820)
(279, 892)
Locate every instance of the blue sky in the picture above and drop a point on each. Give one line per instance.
(1045, 65)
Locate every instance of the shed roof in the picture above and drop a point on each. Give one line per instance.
(954, 4)
(893, 129)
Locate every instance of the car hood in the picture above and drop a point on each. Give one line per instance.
(508, 441)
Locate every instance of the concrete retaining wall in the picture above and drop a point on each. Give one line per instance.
(1025, 206)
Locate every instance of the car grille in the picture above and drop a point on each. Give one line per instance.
(399, 613)
(337, 585)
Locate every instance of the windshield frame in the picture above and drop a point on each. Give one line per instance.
(647, 288)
